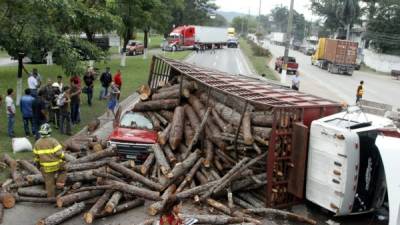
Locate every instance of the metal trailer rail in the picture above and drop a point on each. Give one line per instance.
(293, 113)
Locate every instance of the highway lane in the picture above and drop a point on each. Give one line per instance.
(380, 88)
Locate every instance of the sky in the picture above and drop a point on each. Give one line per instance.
(243, 6)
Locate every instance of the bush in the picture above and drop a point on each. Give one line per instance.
(258, 50)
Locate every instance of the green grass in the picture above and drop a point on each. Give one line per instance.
(134, 74)
(259, 63)
(3, 54)
(155, 40)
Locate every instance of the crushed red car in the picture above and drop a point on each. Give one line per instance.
(292, 65)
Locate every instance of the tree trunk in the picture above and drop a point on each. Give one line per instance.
(190, 175)
(163, 136)
(33, 192)
(145, 168)
(28, 166)
(176, 132)
(161, 118)
(157, 207)
(35, 199)
(199, 129)
(113, 202)
(192, 116)
(12, 164)
(7, 199)
(215, 219)
(188, 133)
(87, 165)
(161, 160)
(135, 176)
(181, 168)
(156, 123)
(141, 192)
(251, 199)
(1, 213)
(218, 120)
(105, 175)
(122, 208)
(246, 128)
(219, 206)
(144, 92)
(170, 155)
(284, 214)
(67, 200)
(19, 78)
(96, 156)
(242, 203)
(167, 115)
(63, 215)
(97, 207)
(156, 105)
(209, 154)
(197, 190)
(93, 125)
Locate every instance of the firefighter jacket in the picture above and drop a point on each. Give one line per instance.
(48, 153)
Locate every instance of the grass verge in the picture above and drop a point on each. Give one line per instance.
(134, 74)
(3, 54)
(259, 63)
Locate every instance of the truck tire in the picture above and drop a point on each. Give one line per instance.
(134, 52)
(174, 48)
(280, 70)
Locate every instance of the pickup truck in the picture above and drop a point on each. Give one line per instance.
(291, 67)
(132, 136)
(134, 48)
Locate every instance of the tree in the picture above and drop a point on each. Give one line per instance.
(280, 17)
(218, 21)
(194, 12)
(244, 24)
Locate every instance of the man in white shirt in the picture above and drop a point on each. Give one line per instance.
(10, 108)
(34, 81)
(296, 82)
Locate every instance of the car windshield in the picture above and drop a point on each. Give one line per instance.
(291, 59)
(135, 120)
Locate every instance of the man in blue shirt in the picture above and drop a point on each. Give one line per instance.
(27, 113)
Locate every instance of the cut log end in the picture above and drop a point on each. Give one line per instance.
(7, 199)
(88, 217)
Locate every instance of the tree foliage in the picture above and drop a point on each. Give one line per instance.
(279, 22)
(244, 24)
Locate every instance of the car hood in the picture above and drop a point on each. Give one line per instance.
(133, 135)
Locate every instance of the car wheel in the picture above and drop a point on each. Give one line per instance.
(280, 70)
(174, 48)
(134, 52)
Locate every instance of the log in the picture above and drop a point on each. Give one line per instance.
(176, 133)
(173, 94)
(256, 148)
(148, 222)
(156, 105)
(167, 115)
(282, 213)
(160, 118)
(242, 203)
(251, 199)
(77, 185)
(96, 156)
(63, 215)
(35, 199)
(263, 132)
(12, 164)
(144, 92)
(163, 136)
(105, 175)
(91, 188)
(192, 116)
(141, 192)
(113, 202)
(196, 190)
(156, 123)
(157, 207)
(242, 184)
(121, 208)
(68, 157)
(201, 177)
(97, 207)
(219, 206)
(189, 176)
(199, 129)
(160, 158)
(1, 213)
(136, 176)
(87, 165)
(246, 128)
(67, 200)
(190, 85)
(144, 169)
(33, 192)
(181, 168)
(188, 133)
(185, 152)
(93, 125)
(29, 167)
(170, 155)
(262, 118)
(218, 120)
(209, 154)
(7, 199)
(218, 164)
(214, 219)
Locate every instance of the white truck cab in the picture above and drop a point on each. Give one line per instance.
(353, 164)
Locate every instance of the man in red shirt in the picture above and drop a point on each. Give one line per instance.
(118, 81)
(75, 79)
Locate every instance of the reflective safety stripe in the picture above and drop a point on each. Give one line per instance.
(62, 155)
(47, 151)
(49, 164)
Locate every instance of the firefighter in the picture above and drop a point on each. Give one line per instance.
(50, 158)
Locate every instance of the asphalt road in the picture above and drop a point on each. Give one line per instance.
(378, 87)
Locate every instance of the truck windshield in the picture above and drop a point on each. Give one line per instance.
(136, 120)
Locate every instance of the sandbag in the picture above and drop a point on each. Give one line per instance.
(21, 145)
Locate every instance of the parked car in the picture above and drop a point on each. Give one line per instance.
(134, 48)
(291, 67)
(232, 43)
(133, 136)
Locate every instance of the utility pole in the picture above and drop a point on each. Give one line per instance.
(287, 43)
(259, 19)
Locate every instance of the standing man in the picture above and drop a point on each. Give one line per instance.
(63, 103)
(360, 91)
(89, 84)
(76, 80)
(40, 114)
(105, 79)
(60, 83)
(50, 157)
(75, 93)
(118, 82)
(10, 107)
(26, 103)
(296, 82)
(33, 84)
(113, 101)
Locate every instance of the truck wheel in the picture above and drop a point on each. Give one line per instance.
(280, 70)
(174, 48)
(134, 52)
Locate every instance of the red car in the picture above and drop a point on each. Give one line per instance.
(134, 48)
(291, 67)
(133, 136)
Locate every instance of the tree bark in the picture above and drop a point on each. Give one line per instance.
(263, 132)
(113, 202)
(29, 167)
(35, 199)
(157, 207)
(63, 215)
(104, 174)
(192, 116)
(197, 190)
(93, 125)
(201, 177)
(144, 92)
(251, 199)
(215, 219)
(176, 132)
(190, 175)
(161, 160)
(67, 200)
(97, 207)
(242, 203)
(32, 192)
(181, 168)
(167, 115)
(156, 123)
(122, 208)
(145, 168)
(141, 192)
(284, 214)
(219, 206)
(12, 164)
(173, 94)
(156, 105)
(188, 133)
(1, 213)
(246, 128)
(86, 165)
(218, 120)
(96, 156)
(189, 85)
(264, 119)
(136, 176)
(199, 129)
(7, 199)
(209, 154)
(163, 136)
(161, 118)
(170, 155)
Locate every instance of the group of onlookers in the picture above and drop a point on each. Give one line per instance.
(57, 103)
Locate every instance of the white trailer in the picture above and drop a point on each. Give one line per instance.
(211, 35)
(278, 38)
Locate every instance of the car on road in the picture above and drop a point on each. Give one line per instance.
(134, 48)
(133, 136)
(292, 65)
(232, 43)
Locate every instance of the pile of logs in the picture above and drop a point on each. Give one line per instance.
(206, 152)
